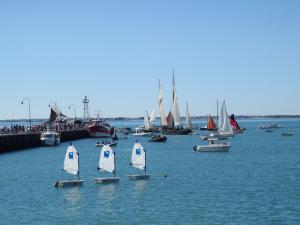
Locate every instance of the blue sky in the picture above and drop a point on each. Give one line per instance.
(246, 52)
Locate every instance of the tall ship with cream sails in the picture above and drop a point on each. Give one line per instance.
(172, 124)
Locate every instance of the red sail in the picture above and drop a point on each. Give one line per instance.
(234, 123)
(170, 120)
(211, 123)
(53, 116)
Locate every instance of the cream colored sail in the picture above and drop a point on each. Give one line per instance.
(188, 117)
(146, 121)
(176, 114)
(152, 117)
(161, 107)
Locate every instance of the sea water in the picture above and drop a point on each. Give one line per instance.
(256, 182)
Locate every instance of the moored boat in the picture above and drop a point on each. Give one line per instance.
(100, 129)
(50, 138)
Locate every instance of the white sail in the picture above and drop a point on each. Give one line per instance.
(226, 127)
(161, 107)
(176, 114)
(188, 117)
(146, 121)
(138, 157)
(221, 117)
(152, 117)
(71, 163)
(107, 159)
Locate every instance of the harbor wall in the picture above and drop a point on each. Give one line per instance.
(14, 142)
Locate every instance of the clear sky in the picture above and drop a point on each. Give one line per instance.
(247, 52)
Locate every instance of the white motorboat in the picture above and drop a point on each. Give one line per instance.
(71, 166)
(214, 145)
(140, 131)
(287, 132)
(50, 138)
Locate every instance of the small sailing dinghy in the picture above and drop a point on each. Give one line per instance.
(71, 166)
(107, 163)
(138, 160)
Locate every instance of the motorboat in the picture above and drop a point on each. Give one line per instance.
(141, 132)
(214, 145)
(50, 138)
(158, 138)
(287, 132)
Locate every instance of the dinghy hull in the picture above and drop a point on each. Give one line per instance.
(109, 180)
(139, 177)
(68, 183)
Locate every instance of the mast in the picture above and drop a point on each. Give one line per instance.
(78, 166)
(217, 110)
(176, 114)
(145, 162)
(115, 173)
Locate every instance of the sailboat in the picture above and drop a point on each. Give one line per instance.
(139, 160)
(236, 127)
(71, 166)
(224, 126)
(211, 126)
(144, 130)
(163, 120)
(152, 117)
(176, 127)
(107, 163)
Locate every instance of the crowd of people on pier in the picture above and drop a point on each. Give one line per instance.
(38, 128)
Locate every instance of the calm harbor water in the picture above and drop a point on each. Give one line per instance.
(257, 182)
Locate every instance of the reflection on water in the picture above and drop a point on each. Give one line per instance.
(72, 200)
(107, 193)
(107, 196)
(138, 188)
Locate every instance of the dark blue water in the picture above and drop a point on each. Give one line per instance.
(257, 182)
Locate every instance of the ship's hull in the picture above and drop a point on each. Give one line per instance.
(98, 131)
(175, 131)
(50, 141)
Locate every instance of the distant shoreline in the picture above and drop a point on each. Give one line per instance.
(193, 117)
